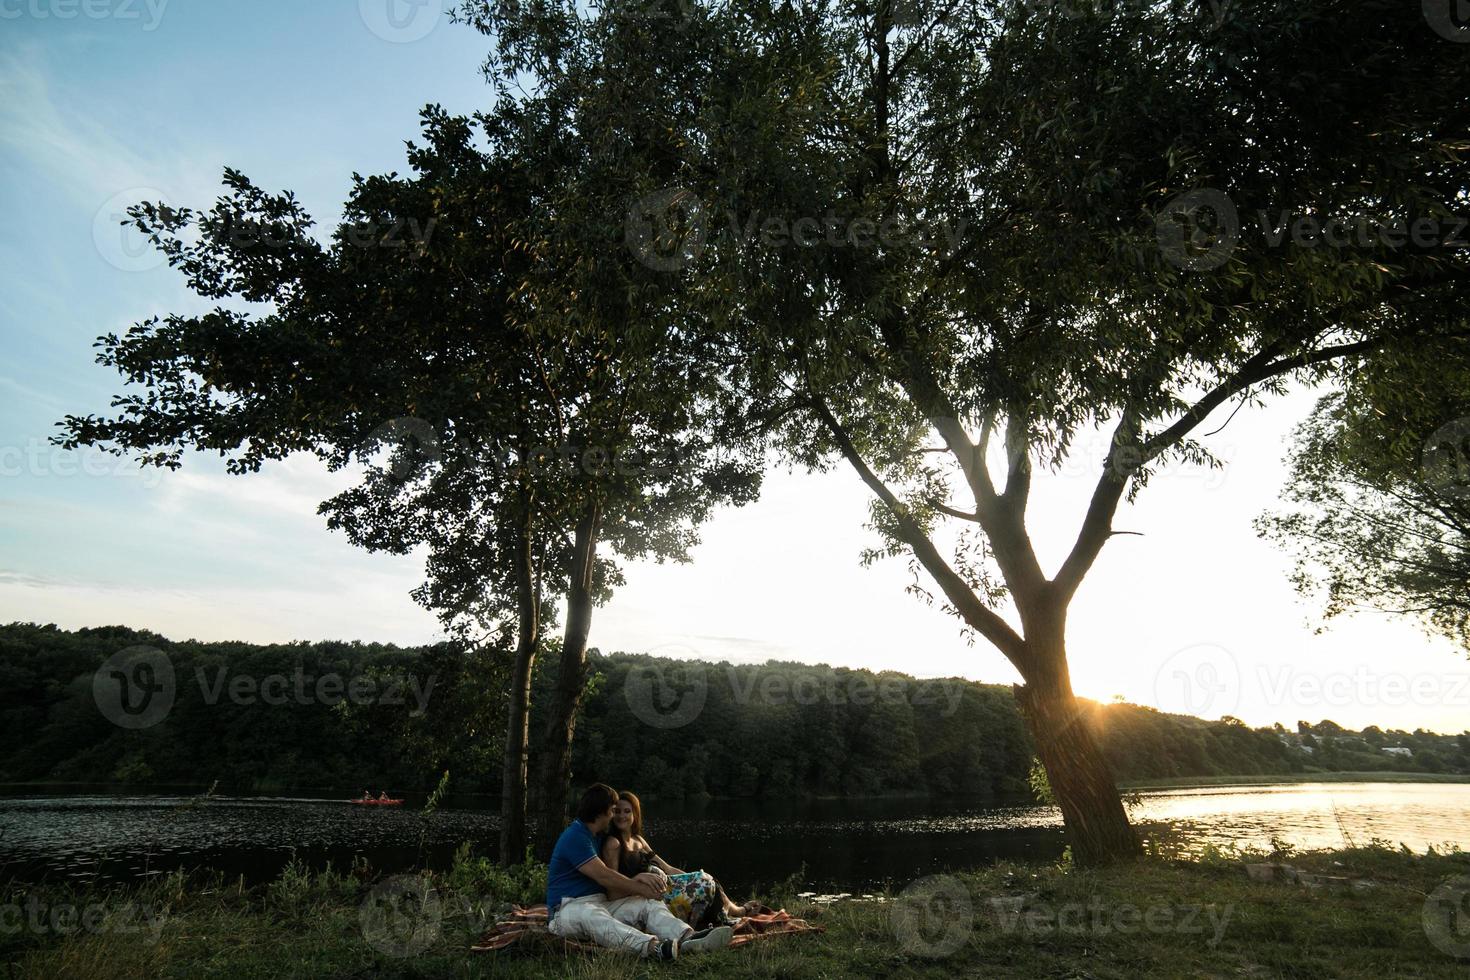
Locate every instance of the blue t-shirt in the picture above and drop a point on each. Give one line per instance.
(574, 848)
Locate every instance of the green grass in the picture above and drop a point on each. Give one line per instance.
(1184, 782)
(1199, 918)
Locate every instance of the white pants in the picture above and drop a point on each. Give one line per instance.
(617, 924)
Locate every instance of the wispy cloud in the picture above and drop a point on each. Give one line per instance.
(79, 152)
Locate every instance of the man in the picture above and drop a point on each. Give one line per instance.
(587, 900)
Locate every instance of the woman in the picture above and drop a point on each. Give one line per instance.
(693, 896)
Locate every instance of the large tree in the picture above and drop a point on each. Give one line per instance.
(1097, 164)
(531, 407)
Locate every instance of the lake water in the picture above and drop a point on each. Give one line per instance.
(843, 845)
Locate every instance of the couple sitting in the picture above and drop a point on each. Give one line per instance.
(605, 884)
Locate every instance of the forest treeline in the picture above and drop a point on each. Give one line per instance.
(349, 716)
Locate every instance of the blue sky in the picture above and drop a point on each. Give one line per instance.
(122, 101)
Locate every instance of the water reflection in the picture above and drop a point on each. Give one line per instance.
(1317, 815)
(843, 845)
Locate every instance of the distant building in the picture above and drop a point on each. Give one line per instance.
(1398, 750)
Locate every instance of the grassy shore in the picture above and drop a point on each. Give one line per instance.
(1159, 917)
(1185, 782)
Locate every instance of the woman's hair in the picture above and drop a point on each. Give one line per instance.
(596, 801)
(635, 829)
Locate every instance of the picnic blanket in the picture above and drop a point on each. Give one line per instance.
(525, 930)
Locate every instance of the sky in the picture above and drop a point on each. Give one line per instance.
(108, 102)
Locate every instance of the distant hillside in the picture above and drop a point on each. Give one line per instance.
(352, 716)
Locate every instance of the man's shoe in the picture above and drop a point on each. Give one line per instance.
(705, 940)
(667, 951)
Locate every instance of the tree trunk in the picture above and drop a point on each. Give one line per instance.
(1079, 773)
(554, 774)
(513, 838)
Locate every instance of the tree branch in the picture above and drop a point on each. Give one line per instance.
(983, 619)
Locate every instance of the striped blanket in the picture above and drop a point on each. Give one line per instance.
(525, 930)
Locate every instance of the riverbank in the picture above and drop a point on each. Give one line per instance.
(1160, 916)
(1292, 779)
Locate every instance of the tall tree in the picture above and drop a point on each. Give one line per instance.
(523, 427)
(620, 90)
(998, 228)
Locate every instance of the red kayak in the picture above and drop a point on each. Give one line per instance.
(376, 802)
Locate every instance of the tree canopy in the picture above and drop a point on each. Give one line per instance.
(1379, 492)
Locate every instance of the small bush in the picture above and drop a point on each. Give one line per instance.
(478, 876)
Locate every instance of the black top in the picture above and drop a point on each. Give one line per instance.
(633, 862)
